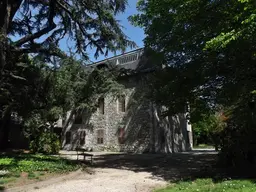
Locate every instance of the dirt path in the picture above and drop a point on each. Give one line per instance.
(132, 173)
(108, 180)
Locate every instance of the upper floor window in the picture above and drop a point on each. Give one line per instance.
(78, 117)
(121, 103)
(101, 105)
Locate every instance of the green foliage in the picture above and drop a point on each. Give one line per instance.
(15, 164)
(205, 185)
(86, 24)
(46, 86)
(69, 88)
(208, 129)
(46, 142)
(175, 30)
(32, 167)
(208, 51)
(238, 142)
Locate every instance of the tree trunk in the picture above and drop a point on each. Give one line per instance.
(8, 9)
(5, 127)
(3, 35)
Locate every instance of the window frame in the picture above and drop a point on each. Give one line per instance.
(101, 107)
(121, 103)
(121, 135)
(78, 118)
(70, 137)
(80, 137)
(100, 136)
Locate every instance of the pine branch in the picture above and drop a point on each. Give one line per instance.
(81, 27)
(43, 2)
(51, 26)
(15, 4)
(38, 49)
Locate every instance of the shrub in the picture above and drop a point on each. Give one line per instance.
(208, 129)
(238, 146)
(46, 142)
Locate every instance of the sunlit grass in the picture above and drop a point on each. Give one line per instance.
(15, 166)
(207, 185)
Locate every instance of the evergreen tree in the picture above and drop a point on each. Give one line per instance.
(36, 27)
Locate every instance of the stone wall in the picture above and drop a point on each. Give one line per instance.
(145, 129)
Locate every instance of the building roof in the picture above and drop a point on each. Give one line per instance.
(129, 60)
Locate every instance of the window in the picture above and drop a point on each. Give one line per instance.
(100, 136)
(121, 135)
(78, 118)
(101, 106)
(68, 137)
(121, 103)
(82, 137)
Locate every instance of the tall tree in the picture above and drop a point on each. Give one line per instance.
(69, 88)
(208, 50)
(208, 47)
(36, 27)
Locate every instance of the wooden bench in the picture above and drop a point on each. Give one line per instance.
(82, 152)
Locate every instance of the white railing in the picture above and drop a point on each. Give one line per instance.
(124, 58)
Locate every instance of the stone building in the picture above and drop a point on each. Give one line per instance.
(129, 122)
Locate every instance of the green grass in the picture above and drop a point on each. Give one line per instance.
(207, 185)
(32, 167)
(203, 146)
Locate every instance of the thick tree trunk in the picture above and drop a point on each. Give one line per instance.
(3, 35)
(5, 127)
(8, 9)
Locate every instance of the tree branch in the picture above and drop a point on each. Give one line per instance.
(43, 2)
(40, 50)
(80, 26)
(51, 26)
(15, 4)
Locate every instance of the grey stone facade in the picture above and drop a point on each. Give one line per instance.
(139, 128)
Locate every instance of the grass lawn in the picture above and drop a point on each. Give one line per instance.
(203, 146)
(207, 185)
(18, 169)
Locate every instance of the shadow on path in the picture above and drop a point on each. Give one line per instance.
(173, 167)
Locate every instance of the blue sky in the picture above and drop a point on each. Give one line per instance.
(135, 34)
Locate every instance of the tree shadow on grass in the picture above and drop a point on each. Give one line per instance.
(176, 167)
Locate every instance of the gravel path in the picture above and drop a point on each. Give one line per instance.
(130, 173)
(108, 180)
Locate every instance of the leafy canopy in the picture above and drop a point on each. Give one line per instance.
(207, 48)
